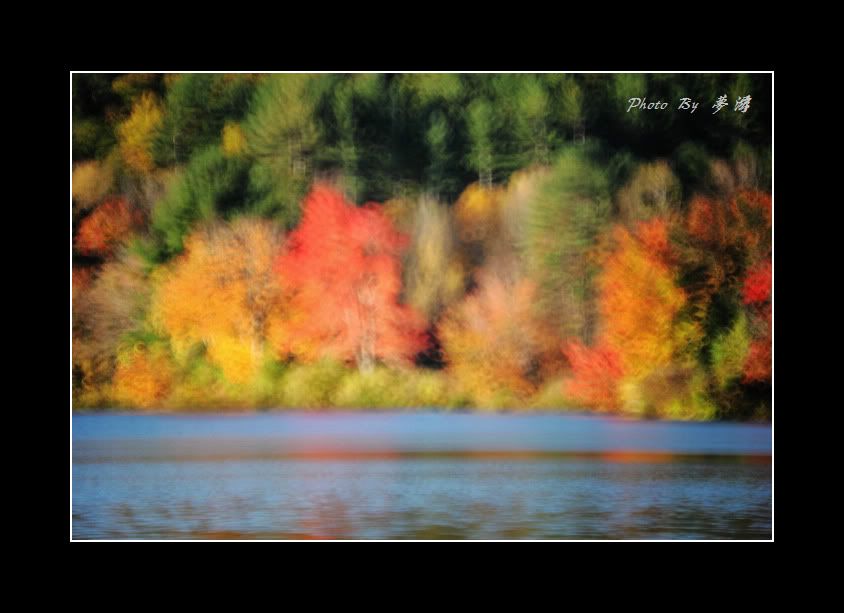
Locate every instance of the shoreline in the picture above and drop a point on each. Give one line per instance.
(219, 411)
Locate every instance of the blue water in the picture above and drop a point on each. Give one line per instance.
(417, 476)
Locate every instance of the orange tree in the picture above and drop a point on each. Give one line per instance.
(222, 292)
(639, 304)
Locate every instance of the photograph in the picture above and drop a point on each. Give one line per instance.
(421, 306)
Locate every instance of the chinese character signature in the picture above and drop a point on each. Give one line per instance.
(742, 104)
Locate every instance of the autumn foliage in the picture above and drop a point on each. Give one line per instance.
(732, 244)
(638, 301)
(535, 248)
(757, 285)
(106, 307)
(723, 234)
(595, 373)
(222, 293)
(342, 269)
(495, 342)
(110, 224)
(724, 223)
(91, 183)
(136, 134)
(242, 297)
(759, 366)
(477, 212)
(757, 293)
(143, 378)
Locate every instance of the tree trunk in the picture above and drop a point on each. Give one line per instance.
(366, 311)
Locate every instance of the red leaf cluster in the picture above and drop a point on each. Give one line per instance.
(653, 235)
(745, 219)
(595, 375)
(759, 363)
(757, 284)
(707, 221)
(110, 224)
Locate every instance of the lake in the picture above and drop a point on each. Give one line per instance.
(283, 475)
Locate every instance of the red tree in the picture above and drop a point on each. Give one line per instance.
(757, 293)
(595, 375)
(110, 224)
(343, 270)
(759, 365)
(757, 284)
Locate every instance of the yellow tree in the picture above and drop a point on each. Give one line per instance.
(434, 273)
(222, 292)
(652, 191)
(480, 229)
(477, 212)
(91, 183)
(144, 377)
(234, 141)
(135, 135)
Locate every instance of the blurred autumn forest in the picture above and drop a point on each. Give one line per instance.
(480, 241)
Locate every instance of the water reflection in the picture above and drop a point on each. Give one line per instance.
(137, 480)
